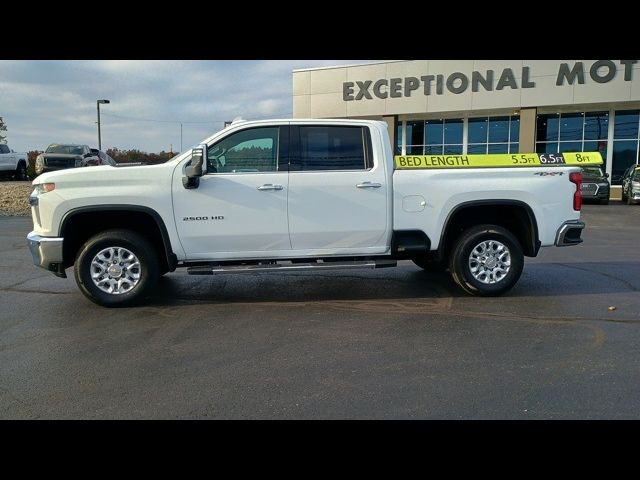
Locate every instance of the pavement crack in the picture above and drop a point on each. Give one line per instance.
(10, 288)
(612, 277)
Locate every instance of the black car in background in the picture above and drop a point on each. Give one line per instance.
(625, 181)
(58, 157)
(595, 184)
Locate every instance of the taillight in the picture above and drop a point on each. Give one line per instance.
(576, 177)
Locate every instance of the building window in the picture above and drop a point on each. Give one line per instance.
(625, 142)
(446, 136)
(493, 135)
(435, 137)
(573, 132)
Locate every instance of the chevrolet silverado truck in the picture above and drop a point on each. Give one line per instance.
(12, 164)
(287, 195)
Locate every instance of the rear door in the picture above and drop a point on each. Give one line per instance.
(337, 191)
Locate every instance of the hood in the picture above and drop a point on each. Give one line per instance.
(99, 174)
(591, 177)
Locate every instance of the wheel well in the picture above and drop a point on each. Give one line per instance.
(515, 217)
(21, 161)
(79, 227)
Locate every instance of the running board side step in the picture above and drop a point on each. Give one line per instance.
(215, 269)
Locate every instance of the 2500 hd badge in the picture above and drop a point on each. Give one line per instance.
(217, 217)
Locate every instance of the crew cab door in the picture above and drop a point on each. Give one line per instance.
(239, 209)
(338, 193)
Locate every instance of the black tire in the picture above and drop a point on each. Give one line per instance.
(630, 200)
(604, 202)
(138, 246)
(459, 260)
(21, 172)
(430, 265)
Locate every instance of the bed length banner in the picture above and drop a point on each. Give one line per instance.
(502, 160)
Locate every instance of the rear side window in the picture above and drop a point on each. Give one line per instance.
(4, 149)
(332, 148)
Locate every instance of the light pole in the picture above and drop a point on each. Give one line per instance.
(98, 102)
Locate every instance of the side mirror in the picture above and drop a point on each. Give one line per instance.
(193, 171)
(606, 175)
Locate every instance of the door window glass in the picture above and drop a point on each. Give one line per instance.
(331, 148)
(248, 151)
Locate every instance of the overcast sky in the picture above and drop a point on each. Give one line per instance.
(45, 102)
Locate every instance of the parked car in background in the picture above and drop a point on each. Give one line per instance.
(595, 184)
(626, 178)
(631, 191)
(100, 158)
(59, 157)
(13, 164)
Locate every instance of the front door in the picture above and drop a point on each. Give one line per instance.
(239, 209)
(338, 193)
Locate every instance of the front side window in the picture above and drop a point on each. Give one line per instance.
(253, 150)
(331, 148)
(4, 149)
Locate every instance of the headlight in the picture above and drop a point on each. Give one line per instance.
(41, 188)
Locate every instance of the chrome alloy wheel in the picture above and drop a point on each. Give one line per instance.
(115, 270)
(490, 261)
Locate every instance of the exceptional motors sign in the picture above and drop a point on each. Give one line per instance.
(600, 71)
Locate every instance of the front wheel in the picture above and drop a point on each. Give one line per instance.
(116, 268)
(486, 260)
(21, 172)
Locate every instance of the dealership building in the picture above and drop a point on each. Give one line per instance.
(487, 106)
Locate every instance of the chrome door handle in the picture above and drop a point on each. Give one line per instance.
(369, 185)
(270, 186)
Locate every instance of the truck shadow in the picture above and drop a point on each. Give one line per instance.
(405, 282)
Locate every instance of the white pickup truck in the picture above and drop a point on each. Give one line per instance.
(12, 164)
(278, 195)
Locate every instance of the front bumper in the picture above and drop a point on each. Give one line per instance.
(596, 191)
(569, 233)
(46, 253)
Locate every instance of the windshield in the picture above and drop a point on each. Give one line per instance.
(68, 149)
(595, 171)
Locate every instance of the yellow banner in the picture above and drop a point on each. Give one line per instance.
(404, 162)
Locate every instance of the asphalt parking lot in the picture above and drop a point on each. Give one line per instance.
(389, 344)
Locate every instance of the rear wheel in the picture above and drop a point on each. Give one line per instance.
(486, 260)
(116, 268)
(604, 202)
